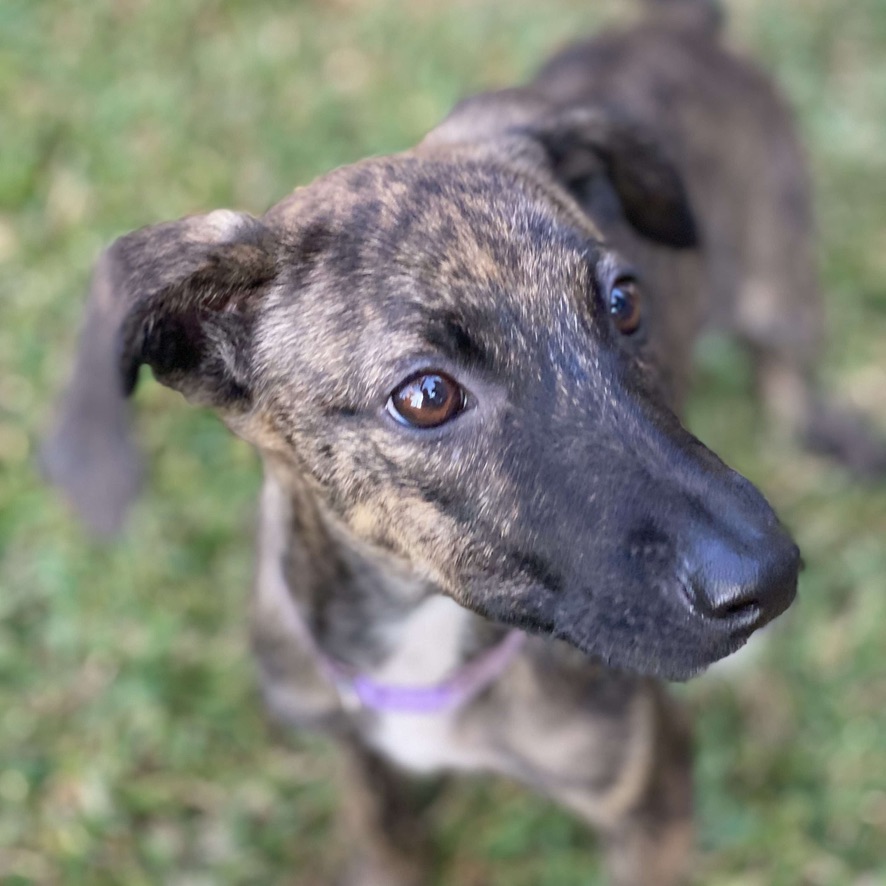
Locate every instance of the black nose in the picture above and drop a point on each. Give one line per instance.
(747, 580)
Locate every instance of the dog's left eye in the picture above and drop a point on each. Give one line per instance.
(427, 400)
(625, 305)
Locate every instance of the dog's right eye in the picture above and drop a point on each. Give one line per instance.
(426, 400)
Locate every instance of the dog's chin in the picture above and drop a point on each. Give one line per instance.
(665, 644)
(676, 659)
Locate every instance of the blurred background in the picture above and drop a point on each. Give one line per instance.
(133, 746)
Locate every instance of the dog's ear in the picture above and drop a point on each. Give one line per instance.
(649, 188)
(578, 144)
(180, 297)
(185, 294)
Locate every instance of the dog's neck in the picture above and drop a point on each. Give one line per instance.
(357, 602)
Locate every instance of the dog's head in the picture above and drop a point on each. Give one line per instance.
(443, 348)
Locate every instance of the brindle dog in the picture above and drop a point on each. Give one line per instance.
(462, 367)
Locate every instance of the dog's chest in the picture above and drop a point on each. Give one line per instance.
(428, 649)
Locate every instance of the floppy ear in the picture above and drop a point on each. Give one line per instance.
(583, 142)
(578, 143)
(181, 298)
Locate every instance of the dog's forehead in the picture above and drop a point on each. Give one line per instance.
(446, 226)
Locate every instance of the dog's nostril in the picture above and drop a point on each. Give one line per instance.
(719, 600)
(737, 607)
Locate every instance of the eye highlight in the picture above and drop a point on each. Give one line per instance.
(426, 400)
(625, 305)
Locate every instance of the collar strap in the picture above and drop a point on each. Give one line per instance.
(459, 688)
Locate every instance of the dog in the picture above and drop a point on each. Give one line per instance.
(485, 536)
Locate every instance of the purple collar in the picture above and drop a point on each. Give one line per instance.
(459, 688)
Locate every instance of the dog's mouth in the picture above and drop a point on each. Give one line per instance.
(671, 646)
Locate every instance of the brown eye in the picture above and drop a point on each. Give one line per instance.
(426, 400)
(624, 305)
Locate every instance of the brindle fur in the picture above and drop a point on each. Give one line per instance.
(482, 252)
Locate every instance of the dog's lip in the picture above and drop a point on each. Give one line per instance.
(727, 643)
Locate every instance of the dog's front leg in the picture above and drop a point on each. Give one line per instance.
(651, 843)
(382, 816)
(637, 793)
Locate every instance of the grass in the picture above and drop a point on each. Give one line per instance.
(133, 748)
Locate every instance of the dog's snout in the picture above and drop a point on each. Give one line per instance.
(745, 582)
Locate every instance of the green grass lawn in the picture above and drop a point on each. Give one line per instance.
(133, 747)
